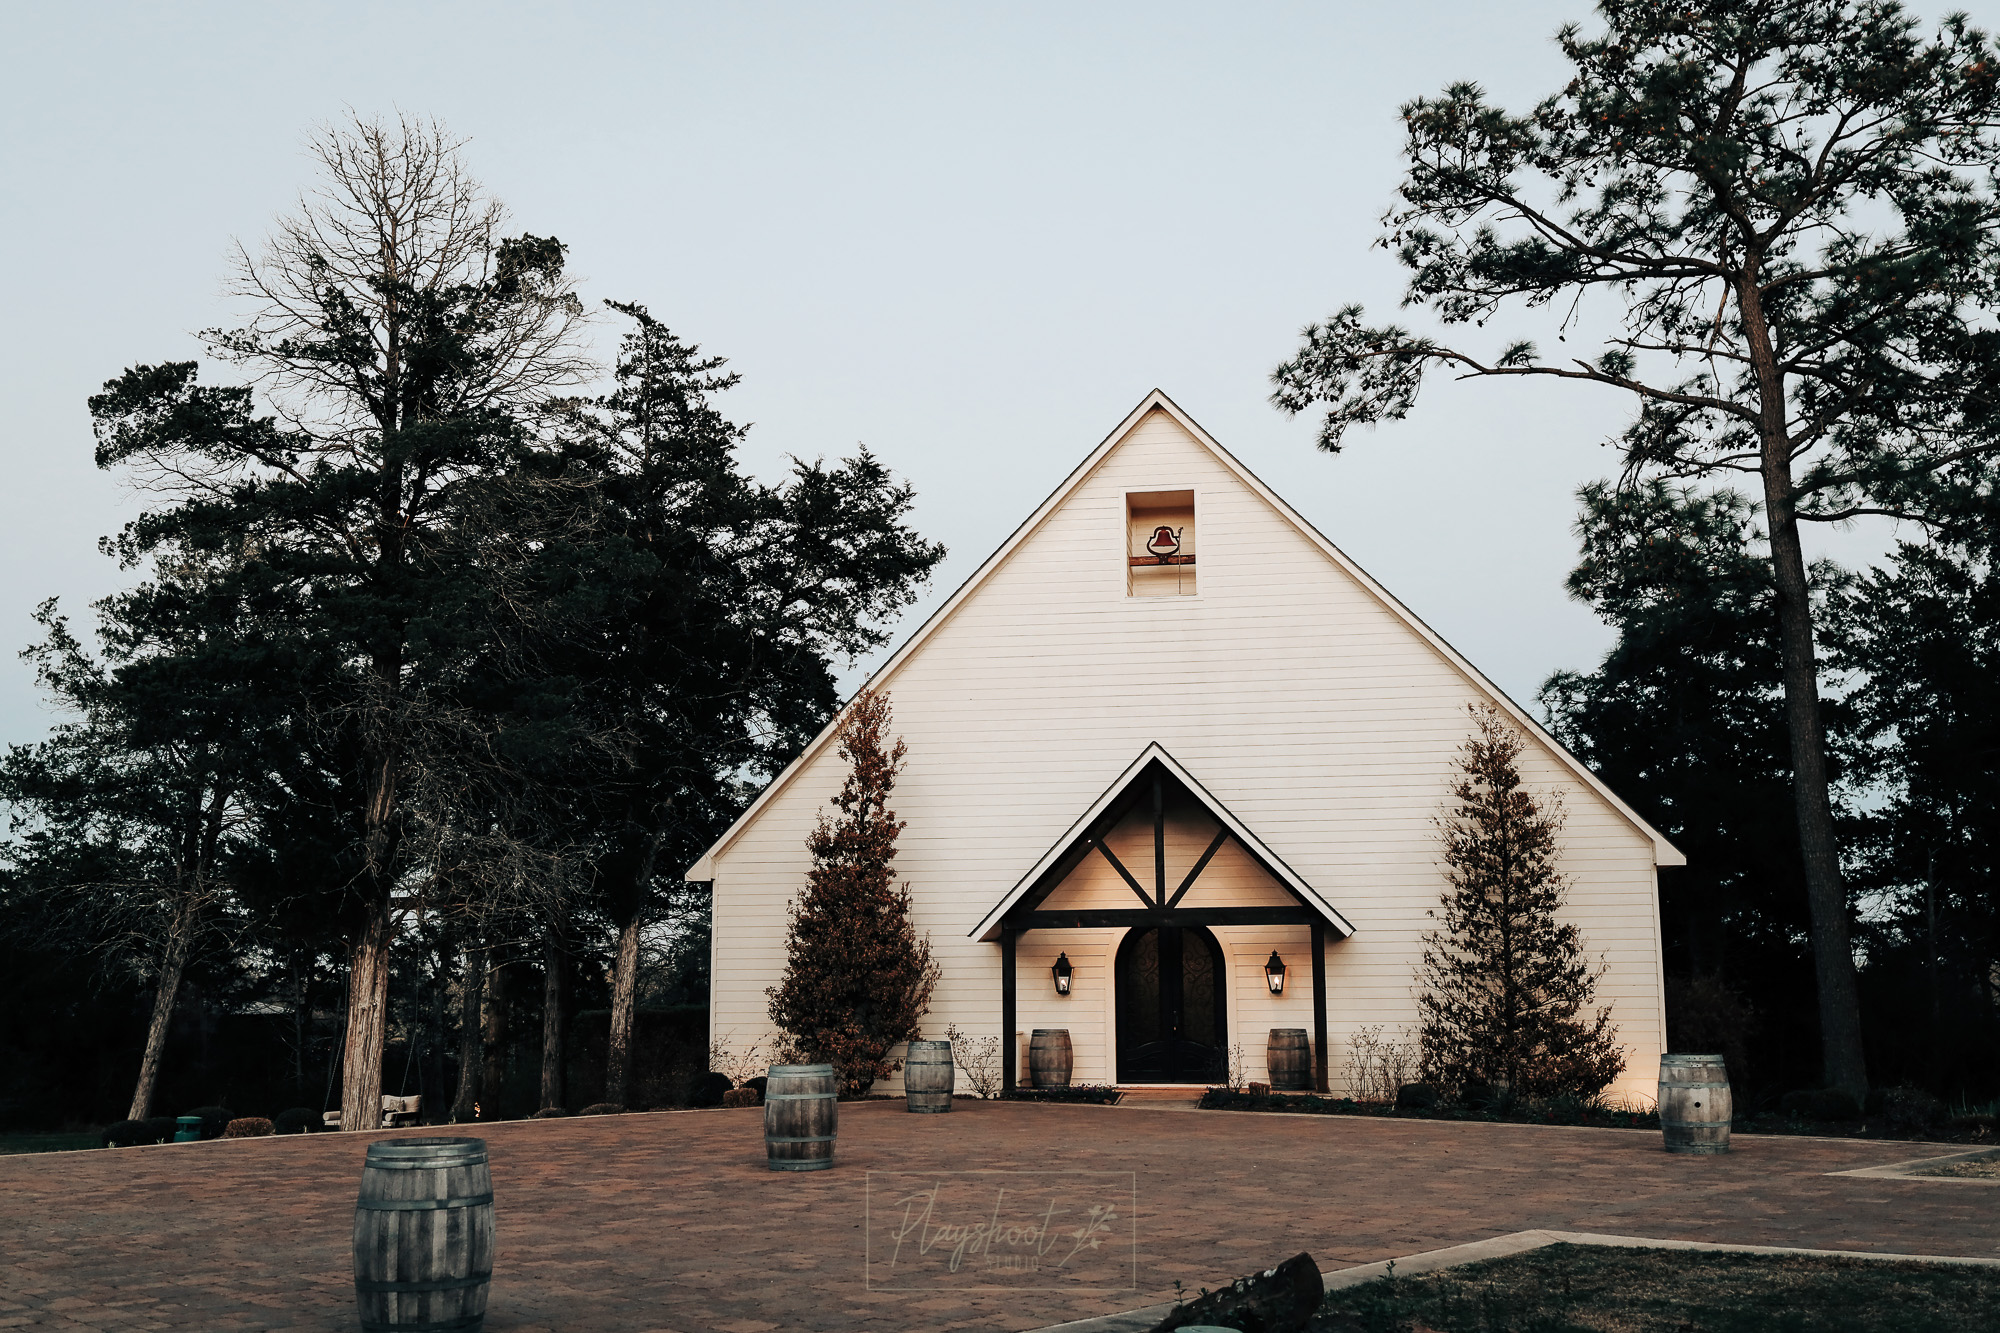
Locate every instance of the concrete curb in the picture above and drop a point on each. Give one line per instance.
(1911, 1169)
(1747, 1135)
(1641, 1243)
(1128, 1321)
(1743, 1136)
(1520, 1242)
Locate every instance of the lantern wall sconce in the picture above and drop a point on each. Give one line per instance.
(1274, 972)
(1062, 971)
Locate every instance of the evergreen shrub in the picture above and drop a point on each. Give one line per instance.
(1507, 992)
(214, 1120)
(125, 1134)
(857, 978)
(1416, 1097)
(297, 1120)
(1904, 1110)
(706, 1090)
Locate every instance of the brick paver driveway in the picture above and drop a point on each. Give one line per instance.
(647, 1222)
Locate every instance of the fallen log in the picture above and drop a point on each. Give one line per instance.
(1277, 1300)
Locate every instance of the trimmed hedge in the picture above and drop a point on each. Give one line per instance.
(1417, 1097)
(603, 1108)
(214, 1120)
(706, 1089)
(550, 1113)
(132, 1133)
(297, 1120)
(248, 1127)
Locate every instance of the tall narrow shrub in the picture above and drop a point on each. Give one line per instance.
(1506, 989)
(857, 978)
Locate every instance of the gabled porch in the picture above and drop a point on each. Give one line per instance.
(1139, 886)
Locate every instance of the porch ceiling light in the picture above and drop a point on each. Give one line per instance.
(1061, 972)
(1274, 972)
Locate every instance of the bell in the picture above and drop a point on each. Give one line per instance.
(1165, 541)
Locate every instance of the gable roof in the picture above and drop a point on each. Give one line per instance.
(1112, 805)
(1664, 852)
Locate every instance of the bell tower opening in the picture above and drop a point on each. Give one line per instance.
(1159, 544)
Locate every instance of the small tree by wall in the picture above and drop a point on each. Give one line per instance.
(857, 979)
(1506, 989)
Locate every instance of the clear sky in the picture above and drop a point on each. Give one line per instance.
(969, 236)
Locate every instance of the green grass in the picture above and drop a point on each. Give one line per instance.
(47, 1141)
(1584, 1289)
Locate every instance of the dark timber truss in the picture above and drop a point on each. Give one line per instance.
(1157, 906)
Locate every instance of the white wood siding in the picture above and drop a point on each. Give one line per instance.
(1312, 711)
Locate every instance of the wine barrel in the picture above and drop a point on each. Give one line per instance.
(928, 1076)
(423, 1236)
(801, 1114)
(1288, 1055)
(1050, 1058)
(1695, 1103)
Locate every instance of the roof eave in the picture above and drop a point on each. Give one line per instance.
(704, 868)
(1664, 852)
(991, 924)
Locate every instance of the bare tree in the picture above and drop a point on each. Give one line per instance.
(396, 222)
(401, 343)
(489, 854)
(979, 1058)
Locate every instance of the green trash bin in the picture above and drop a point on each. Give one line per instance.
(188, 1129)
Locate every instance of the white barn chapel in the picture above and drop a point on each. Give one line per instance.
(1171, 736)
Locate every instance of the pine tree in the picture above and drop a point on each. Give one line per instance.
(403, 346)
(1684, 717)
(857, 980)
(126, 820)
(1789, 207)
(1919, 641)
(1506, 987)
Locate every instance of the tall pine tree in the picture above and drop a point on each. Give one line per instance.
(1684, 717)
(127, 818)
(702, 612)
(1791, 204)
(400, 341)
(1920, 640)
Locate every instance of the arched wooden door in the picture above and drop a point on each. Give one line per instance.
(1171, 1022)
